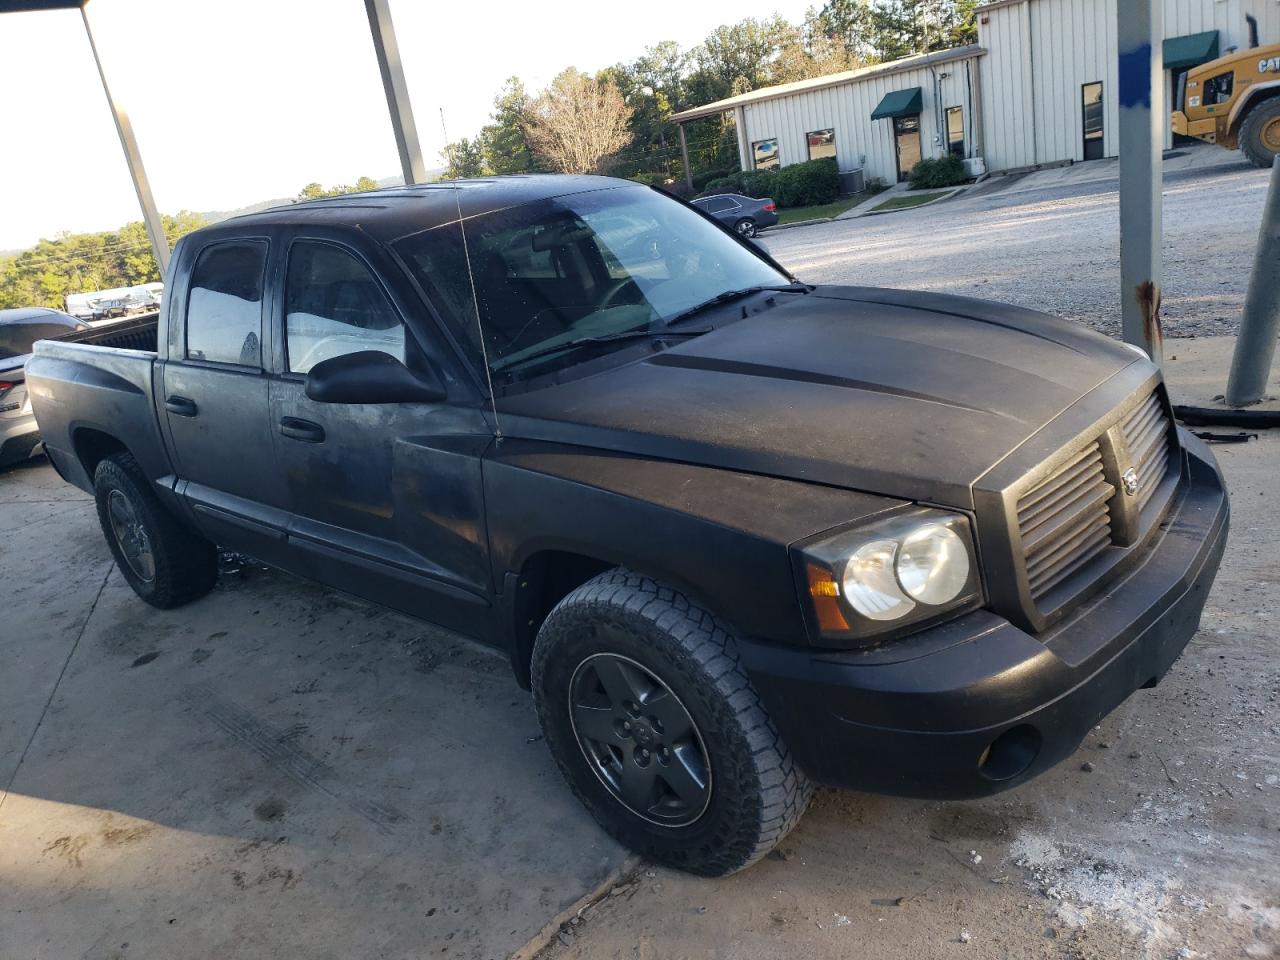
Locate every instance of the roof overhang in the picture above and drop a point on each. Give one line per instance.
(831, 80)
(900, 103)
(1191, 50)
(26, 6)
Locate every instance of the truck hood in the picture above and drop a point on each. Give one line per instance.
(905, 394)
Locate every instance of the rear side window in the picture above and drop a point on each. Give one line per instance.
(333, 307)
(721, 204)
(224, 308)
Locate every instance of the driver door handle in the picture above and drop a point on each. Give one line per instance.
(304, 430)
(181, 406)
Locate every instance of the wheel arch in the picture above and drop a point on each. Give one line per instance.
(546, 576)
(1255, 95)
(92, 446)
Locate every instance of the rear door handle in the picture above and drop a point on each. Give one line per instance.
(181, 406)
(304, 430)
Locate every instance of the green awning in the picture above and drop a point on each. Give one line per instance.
(1191, 50)
(900, 103)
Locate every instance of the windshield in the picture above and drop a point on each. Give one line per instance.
(578, 267)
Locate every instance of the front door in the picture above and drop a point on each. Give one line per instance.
(386, 499)
(906, 139)
(215, 397)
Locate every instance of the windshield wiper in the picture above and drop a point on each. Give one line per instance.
(642, 333)
(731, 295)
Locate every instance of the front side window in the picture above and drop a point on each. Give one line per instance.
(621, 259)
(822, 143)
(224, 308)
(765, 153)
(1218, 89)
(955, 130)
(333, 307)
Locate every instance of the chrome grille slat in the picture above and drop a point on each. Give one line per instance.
(1063, 522)
(1146, 434)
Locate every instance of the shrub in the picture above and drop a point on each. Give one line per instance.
(649, 179)
(933, 172)
(807, 184)
(700, 180)
(729, 184)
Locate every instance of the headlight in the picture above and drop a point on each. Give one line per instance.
(875, 580)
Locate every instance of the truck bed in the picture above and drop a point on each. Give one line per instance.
(136, 333)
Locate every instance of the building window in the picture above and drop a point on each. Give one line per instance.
(765, 153)
(955, 130)
(1091, 121)
(822, 143)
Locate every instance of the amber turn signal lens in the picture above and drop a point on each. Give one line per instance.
(825, 593)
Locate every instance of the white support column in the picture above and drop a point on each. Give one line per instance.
(745, 160)
(150, 215)
(1142, 121)
(383, 32)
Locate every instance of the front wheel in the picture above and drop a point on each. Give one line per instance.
(746, 227)
(166, 564)
(655, 726)
(1260, 133)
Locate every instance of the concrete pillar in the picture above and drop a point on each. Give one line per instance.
(1141, 124)
(1260, 323)
(393, 85)
(684, 157)
(150, 215)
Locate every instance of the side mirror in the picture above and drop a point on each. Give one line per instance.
(371, 376)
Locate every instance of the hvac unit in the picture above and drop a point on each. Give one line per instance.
(852, 181)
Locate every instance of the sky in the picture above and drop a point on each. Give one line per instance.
(237, 101)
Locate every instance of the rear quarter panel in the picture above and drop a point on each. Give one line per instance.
(77, 387)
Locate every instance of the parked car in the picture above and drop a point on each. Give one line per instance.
(737, 533)
(19, 329)
(743, 214)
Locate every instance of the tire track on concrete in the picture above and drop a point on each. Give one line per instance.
(279, 749)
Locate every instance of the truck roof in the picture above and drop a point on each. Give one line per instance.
(394, 212)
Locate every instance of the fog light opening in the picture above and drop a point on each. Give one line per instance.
(1011, 753)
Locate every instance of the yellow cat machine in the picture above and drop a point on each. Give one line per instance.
(1234, 101)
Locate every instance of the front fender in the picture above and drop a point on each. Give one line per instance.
(719, 535)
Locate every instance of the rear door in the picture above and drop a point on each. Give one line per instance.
(386, 499)
(215, 396)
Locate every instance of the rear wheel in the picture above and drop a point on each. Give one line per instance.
(746, 227)
(165, 563)
(1260, 133)
(654, 724)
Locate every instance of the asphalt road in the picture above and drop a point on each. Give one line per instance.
(1054, 249)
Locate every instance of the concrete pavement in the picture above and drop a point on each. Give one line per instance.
(274, 770)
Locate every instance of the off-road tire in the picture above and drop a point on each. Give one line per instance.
(757, 793)
(1251, 132)
(186, 564)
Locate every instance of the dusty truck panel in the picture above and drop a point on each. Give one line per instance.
(737, 533)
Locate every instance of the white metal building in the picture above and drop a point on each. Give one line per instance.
(1040, 87)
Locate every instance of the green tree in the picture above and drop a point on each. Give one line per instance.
(463, 159)
(502, 142)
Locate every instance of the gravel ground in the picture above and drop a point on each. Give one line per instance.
(1055, 250)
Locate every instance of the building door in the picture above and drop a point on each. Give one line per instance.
(906, 138)
(1091, 121)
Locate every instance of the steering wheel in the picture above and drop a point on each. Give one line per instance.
(615, 291)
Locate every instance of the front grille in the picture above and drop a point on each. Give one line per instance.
(1146, 435)
(1064, 522)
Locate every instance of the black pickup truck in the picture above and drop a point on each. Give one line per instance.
(737, 533)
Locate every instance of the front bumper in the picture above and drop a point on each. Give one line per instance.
(976, 705)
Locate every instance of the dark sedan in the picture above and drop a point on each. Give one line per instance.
(743, 214)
